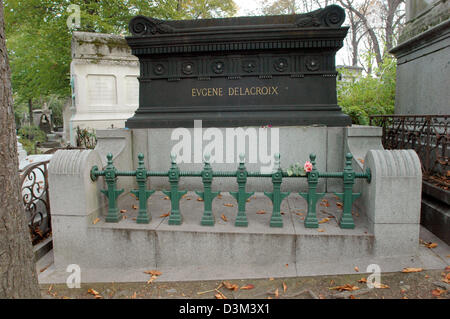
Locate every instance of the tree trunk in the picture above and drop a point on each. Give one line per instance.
(17, 267)
(30, 110)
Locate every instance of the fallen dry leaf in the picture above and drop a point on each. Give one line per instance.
(44, 269)
(247, 287)
(356, 269)
(134, 295)
(199, 199)
(151, 279)
(224, 217)
(153, 272)
(346, 287)
(96, 221)
(299, 214)
(379, 285)
(271, 278)
(123, 211)
(276, 293)
(220, 295)
(361, 160)
(219, 196)
(284, 287)
(447, 279)
(339, 204)
(165, 215)
(362, 280)
(406, 270)
(94, 293)
(260, 212)
(320, 230)
(431, 245)
(230, 286)
(166, 198)
(324, 220)
(437, 292)
(228, 205)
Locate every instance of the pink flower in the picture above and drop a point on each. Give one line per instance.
(308, 166)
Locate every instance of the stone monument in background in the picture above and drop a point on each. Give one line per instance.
(423, 63)
(104, 82)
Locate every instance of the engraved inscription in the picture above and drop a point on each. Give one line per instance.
(236, 91)
(102, 90)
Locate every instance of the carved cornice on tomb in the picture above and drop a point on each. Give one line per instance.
(329, 17)
(315, 30)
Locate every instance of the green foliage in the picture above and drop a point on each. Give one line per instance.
(30, 136)
(56, 104)
(368, 95)
(19, 110)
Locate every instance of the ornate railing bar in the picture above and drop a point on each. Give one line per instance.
(241, 174)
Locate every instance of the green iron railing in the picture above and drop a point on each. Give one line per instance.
(241, 174)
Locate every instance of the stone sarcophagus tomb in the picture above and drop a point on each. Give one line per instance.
(245, 71)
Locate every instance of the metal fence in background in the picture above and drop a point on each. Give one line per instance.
(428, 135)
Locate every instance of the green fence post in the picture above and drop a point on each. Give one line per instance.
(348, 196)
(241, 195)
(312, 197)
(142, 193)
(112, 193)
(276, 196)
(207, 195)
(174, 194)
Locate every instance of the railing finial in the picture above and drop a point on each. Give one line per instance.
(173, 158)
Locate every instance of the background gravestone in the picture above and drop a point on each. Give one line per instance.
(423, 59)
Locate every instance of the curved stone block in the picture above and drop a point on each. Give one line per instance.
(71, 190)
(392, 200)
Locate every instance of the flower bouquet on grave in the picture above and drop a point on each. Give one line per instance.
(297, 169)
